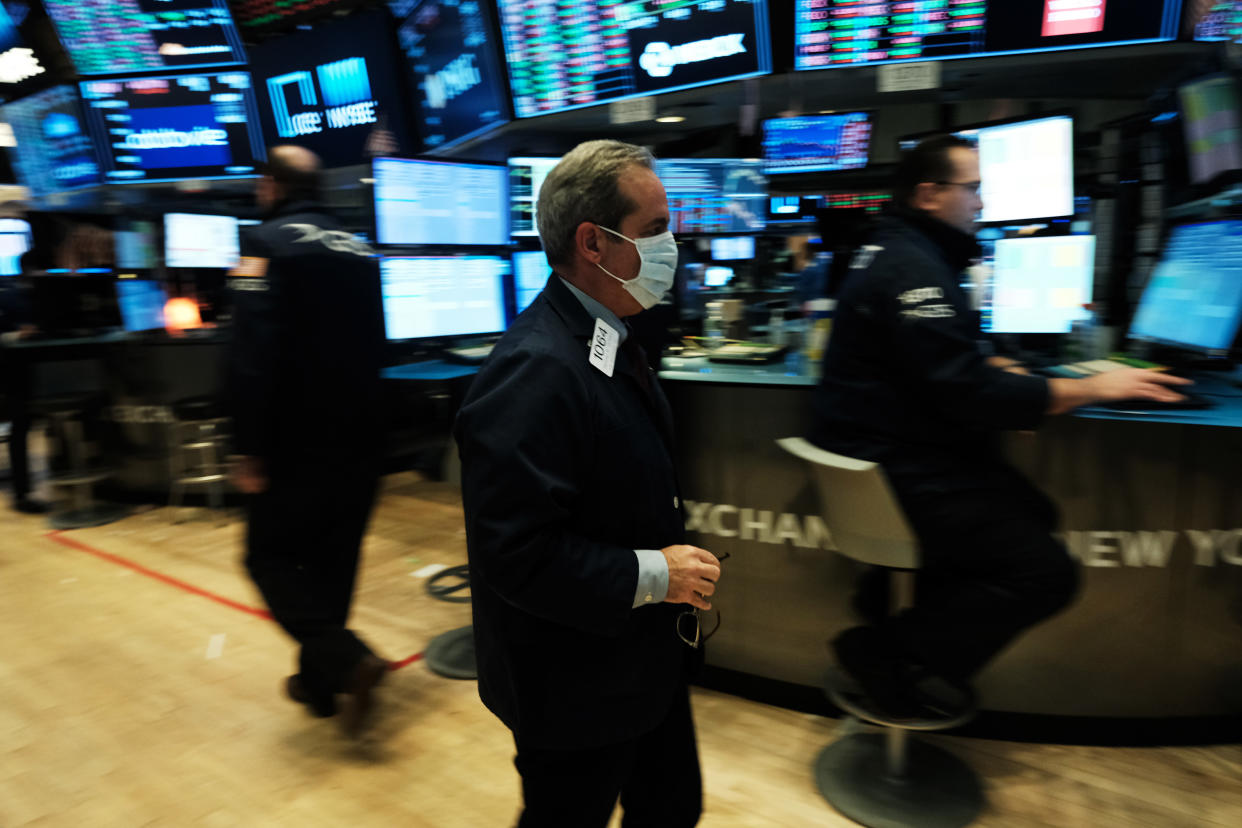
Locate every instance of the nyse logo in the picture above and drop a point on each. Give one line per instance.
(457, 77)
(659, 59)
(347, 100)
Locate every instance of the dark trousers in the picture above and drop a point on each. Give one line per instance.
(17, 389)
(991, 568)
(303, 542)
(656, 777)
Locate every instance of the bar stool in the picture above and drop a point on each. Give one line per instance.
(196, 452)
(65, 416)
(882, 779)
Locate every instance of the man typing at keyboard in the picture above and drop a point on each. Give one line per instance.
(907, 384)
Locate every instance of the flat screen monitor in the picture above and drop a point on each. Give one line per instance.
(1039, 285)
(262, 16)
(717, 276)
(792, 209)
(1213, 20)
(14, 242)
(54, 151)
(734, 248)
(332, 89)
(850, 33)
(715, 195)
(441, 203)
(136, 245)
(142, 304)
(1212, 122)
(526, 176)
(175, 127)
(816, 143)
(193, 240)
(871, 201)
(1193, 299)
(562, 57)
(531, 272)
(451, 49)
(443, 296)
(113, 37)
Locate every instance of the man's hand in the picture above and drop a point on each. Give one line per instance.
(692, 575)
(250, 475)
(1113, 386)
(1007, 364)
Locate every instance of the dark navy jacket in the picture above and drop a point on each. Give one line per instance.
(308, 338)
(905, 381)
(565, 472)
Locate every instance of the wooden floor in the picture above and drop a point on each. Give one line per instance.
(128, 700)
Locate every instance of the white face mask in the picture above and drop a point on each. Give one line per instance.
(658, 255)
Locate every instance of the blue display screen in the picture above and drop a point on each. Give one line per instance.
(816, 143)
(333, 90)
(141, 303)
(441, 296)
(442, 203)
(1193, 298)
(54, 150)
(715, 195)
(531, 272)
(175, 127)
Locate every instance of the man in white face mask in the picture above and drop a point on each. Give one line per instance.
(586, 600)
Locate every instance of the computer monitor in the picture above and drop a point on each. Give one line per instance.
(54, 152)
(733, 249)
(192, 240)
(816, 143)
(142, 304)
(444, 203)
(716, 276)
(1212, 124)
(831, 33)
(715, 195)
(136, 245)
(568, 56)
(531, 272)
(443, 296)
(105, 37)
(526, 177)
(175, 127)
(1213, 20)
(1039, 285)
(14, 242)
(1193, 299)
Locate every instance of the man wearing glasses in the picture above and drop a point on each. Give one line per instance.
(908, 383)
(586, 602)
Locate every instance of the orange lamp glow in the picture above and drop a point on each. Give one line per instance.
(181, 314)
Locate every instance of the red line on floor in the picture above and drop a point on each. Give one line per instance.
(64, 540)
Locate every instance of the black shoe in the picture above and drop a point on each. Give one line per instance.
(31, 506)
(898, 688)
(296, 690)
(359, 703)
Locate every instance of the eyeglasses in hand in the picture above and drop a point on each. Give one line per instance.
(690, 623)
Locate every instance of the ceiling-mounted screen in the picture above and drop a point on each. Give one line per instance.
(105, 37)
(333, 89)
(849, 33)
(1213, 20)
(443, 203)
(715, 195)
(54, 150)
(816, 143)
(452, 51)
(175, 127)
(564, 56)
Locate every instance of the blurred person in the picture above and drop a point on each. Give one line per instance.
(574, 524)
(304, 391)
(16, 323)
(907, 383)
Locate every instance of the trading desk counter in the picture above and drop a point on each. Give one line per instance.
(1151, 508)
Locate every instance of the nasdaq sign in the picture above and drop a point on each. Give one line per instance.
(346, 94)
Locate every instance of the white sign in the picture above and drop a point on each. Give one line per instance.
(631, 111)
(908, 77)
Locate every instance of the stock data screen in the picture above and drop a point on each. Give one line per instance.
(817, 143)
(852, 32)
(715, 195)
(116, 36)
(451, 50)
(526, 177)
(564, 54)
(54, 150)
(175, 127)
(440, 203)
(434, 296)
(1214, 20)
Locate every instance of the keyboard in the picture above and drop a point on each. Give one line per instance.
(1091, 367)
(747, 353)
(469, 354)
(1191, 402)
